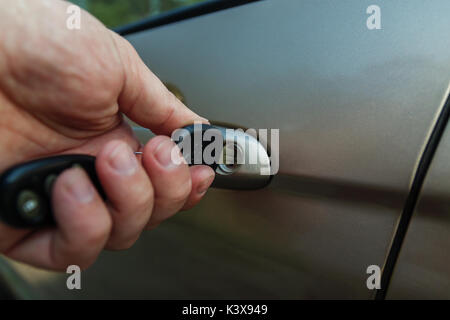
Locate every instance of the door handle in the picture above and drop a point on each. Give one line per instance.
(241, 162)
(25, 189)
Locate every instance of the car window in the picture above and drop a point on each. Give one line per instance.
(114, 13)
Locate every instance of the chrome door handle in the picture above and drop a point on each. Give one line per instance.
(240, 161)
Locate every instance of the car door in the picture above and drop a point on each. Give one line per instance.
(422, 270)
(354, 107)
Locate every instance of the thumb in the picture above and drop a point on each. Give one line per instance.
(145, 99)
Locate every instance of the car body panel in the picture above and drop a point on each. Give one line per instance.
(422, 270)
(355, 108)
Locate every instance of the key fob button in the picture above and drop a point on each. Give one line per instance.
(29, 206)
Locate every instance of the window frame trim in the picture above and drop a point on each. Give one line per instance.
(180, 14)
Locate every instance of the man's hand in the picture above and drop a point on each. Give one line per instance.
(63, 91)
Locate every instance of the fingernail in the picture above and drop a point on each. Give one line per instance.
(123, 160)
(206, 183)
(168, 155)
(79, 186)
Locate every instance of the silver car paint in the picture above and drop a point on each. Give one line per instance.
(354, 108)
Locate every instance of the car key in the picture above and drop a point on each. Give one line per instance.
(25, 189)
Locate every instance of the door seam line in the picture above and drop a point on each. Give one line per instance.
(419, 176)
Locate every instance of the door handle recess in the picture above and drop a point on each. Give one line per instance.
(240, 162)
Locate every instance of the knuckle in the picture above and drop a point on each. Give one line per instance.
(91, 235)
(181, 192)
(142, 199)
(168, 105)
(97, 234)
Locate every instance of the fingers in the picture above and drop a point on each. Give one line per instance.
(83, 221)
(129, 192)
(144, 97)
(86, 225)
(176, 186)
(202, 177)
(170, 177)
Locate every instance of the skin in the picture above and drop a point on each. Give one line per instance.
(64, 91)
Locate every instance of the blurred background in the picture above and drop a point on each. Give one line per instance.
(114, 13)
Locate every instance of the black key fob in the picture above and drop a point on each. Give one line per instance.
(25, 189)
